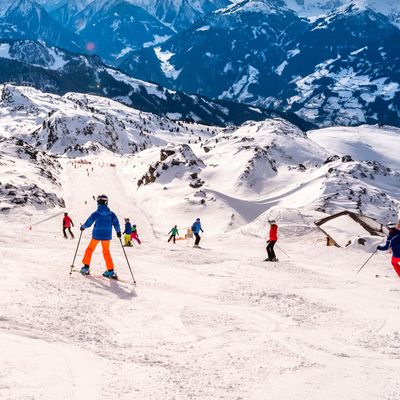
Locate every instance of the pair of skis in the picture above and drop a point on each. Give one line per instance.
(118, 280)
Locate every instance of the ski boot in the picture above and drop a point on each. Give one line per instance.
(85, 270)
(110, 274)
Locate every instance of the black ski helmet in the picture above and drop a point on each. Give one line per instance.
(102, 199)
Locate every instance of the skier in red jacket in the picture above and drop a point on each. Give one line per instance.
(67, 223)
(273, 238)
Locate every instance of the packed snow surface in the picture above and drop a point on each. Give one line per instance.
(215, 322)
(362, 143)
(207, 323)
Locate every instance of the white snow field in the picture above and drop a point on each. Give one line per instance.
(211, 323)
(201, 324)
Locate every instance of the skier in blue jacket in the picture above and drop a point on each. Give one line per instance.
(104, 219)
(196, 228)
(393, 243)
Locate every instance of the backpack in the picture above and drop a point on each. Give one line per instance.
(194, 227)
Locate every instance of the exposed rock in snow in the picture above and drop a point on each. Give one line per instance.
(28, 177)
(176, 162)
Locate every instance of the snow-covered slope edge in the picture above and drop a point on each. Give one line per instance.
(257, 168)
(28, 177)
(266, 169)
(78, 124)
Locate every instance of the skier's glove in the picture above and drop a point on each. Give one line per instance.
(119, 234)
(379, 248)
(82, 228)
(268, 241)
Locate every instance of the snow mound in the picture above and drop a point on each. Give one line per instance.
(363, 143)
(28, 177)
(176, 162)
(79, 124)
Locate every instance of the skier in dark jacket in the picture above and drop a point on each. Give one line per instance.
(273, 238)
(393, 243)
(128, 233)
(67, 223)
(173, 232)
(104, 219)
(196, 228)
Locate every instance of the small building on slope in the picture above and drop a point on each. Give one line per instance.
(342, 228)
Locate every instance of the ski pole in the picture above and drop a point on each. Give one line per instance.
(76, 252)
(130, 269)
(284, 252)
(46, 219)
(366, 262)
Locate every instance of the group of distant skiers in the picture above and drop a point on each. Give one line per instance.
(130, 233)
(104, 220)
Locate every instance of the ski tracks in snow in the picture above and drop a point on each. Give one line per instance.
(200, 325)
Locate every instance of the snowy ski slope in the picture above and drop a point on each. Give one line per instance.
(202, 324)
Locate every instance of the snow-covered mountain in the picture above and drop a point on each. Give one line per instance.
(230, 49)
(341, 68)
(337, 68)
(276, 169)
(64, 11)
(349, 63)
(77, 124)
(313, 8)
(276, 166)
(26, 19)
(58, 71)
(120, 27)
(176, 14)
(36, 128)
(181, 14)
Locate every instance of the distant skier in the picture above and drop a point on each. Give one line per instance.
(128, 233)
(393, 243)
(173, 232)
(273, 238)
(196, 228)
(135, 234)
(104, 219)
(67, 223)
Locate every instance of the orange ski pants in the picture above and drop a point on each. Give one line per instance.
(105, 244)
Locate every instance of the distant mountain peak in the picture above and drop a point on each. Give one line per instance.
(355, 6)
(257, 6)
(23, 7)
